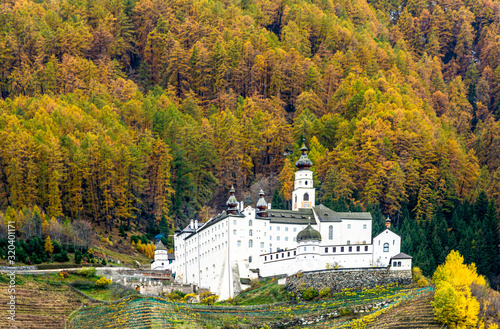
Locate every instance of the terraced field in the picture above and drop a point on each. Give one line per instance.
(416, 313)
(40, 305)
(148, 312)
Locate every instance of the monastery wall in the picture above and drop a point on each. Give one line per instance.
(355, 279)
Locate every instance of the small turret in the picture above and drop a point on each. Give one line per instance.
(232, 203)
(388, 223)
(303, 162)
(261, 205)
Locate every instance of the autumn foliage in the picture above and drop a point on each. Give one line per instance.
(453, 302)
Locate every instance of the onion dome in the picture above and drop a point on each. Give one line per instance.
(232, 203)
(303, 162)
(308, 234)
(261, 204)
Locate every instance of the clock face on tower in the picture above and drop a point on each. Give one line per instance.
(306, 204)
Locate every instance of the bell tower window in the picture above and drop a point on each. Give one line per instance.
(306, 197)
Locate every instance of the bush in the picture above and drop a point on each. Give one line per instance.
(61, 257)
(78, 257)
(83, 285)
(345, 312)
(64, 274)
(324, 292)
(208, 298)
(87, 272)
(120, 291)
(176, 295)
(35, 259)
(309, 293)
(102, 282)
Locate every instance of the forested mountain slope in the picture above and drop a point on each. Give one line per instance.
(114, 111)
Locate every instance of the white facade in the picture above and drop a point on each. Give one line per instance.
(385, 245)
(236, 246)
(303, 195)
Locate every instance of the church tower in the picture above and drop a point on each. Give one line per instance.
(303, 193)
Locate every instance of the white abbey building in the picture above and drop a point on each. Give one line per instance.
(240, 244)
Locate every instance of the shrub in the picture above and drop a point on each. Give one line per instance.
(210, 300)
(309, 293)
(102, 282)
(345, 311)
(189, 297)
(61, 257)
(229, 322)
(64, 274)
(324, 292)
(120, 291)
(176, 295)
(78, 257)
(87, 272)
(83, 285)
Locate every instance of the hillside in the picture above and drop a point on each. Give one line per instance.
(141, 114)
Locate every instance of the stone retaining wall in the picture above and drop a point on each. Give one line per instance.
(355, 279)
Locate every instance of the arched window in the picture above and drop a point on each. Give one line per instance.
(386, 247)
(250, 243)
(306, 197)
(250, 232)
(330, 232)
(305, 182)
(250, 222)
(295, 198)
(250, 259)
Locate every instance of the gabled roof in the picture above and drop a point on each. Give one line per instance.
(300, 217)
(402, 255)
(385, 231)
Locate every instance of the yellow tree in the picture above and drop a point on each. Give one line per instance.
(286, 180)
(49, 248)
(453, 302)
